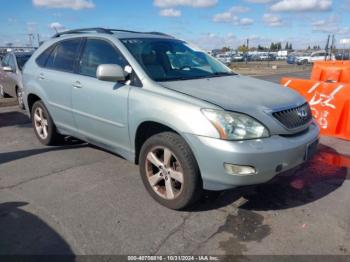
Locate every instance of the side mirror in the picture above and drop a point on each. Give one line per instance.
(110, 73)
(8, 69)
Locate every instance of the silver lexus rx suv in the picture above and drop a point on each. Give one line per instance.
(187, 120)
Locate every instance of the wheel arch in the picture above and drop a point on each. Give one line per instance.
(145, 130)
(31, 99)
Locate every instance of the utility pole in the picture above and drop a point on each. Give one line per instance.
(332, 47)
(38, 38)
(327, 48)
(246, 57)
(30, 39)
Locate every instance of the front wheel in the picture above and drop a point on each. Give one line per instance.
(169, 171)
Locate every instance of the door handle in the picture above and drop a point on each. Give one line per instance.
(77, 84)
(41, 76)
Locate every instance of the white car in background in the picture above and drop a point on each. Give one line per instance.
(238, 58)
(225, 59)
(314, 57)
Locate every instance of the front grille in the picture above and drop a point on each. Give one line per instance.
(294, 117)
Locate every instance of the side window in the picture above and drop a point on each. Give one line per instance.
(11, 62)
(42, 59)
(97, 52)
(64, 56)
(5, 61)
(51, 59)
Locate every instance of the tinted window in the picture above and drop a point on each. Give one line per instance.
(5, 60)
(97, 52)
(12, 62)
(64, 56)
(21, 60)
(170, 59)
(41, 60)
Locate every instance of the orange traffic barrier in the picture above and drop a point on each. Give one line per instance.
(328, 93)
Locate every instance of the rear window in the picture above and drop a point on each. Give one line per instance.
(64, 56)
(41, 60)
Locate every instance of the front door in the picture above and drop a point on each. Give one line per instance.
(99, 107)
(5, 79)
(11, 77)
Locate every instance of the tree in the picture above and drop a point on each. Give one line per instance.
(225, 49)
(287, 46)
(276, 46)
(279, 46)
(261, 48)
(243, 49)
(272, 46)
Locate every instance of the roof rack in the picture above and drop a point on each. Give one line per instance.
(124, 31)
(84, 30)
(158, 33)
(104, 31)
(137, 32)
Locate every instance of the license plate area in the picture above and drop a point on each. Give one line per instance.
(311, 150)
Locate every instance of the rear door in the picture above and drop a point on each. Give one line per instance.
(100, 107)
(56, 76)
(11, 77)
(3, 74)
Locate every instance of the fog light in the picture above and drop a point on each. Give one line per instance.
(236, 170)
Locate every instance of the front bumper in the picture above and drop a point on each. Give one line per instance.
(267, 156)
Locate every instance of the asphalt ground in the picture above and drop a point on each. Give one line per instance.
(79, 199)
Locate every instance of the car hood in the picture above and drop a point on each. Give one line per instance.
(238, 93)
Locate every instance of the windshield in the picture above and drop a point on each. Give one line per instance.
(171, 60)
(21, 60)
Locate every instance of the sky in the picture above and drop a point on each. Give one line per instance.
(207, 23)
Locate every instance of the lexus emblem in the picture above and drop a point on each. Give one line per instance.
(302, 113)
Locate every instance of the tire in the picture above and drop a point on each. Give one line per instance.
(2, 92)
(181, 162)
(19, 95)
(50, 137)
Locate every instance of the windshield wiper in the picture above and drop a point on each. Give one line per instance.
(180, 78)
(218, 74)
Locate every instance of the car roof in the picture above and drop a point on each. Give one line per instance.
(118, 33)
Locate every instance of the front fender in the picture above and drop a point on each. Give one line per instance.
(181, 116)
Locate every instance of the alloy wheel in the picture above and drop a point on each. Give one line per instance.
(164, 173)
(2, 94)
(20, 98)
(41, 123)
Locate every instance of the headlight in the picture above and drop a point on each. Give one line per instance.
(235, 126)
